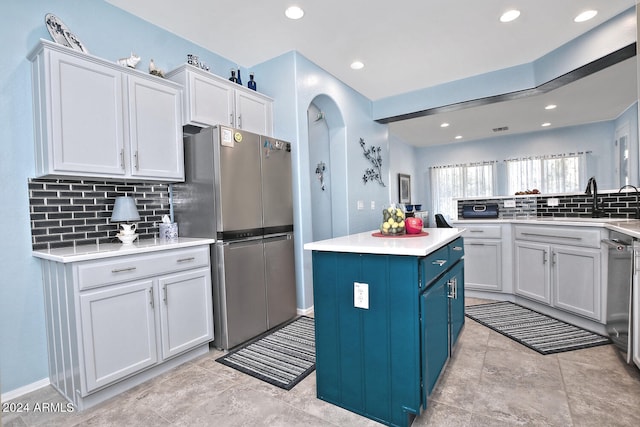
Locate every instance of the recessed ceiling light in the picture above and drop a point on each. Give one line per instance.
(550, 107)
(294, 12)
(458, 136)
(510, 15)
(357, 65)
(444, 125)
(585, 16)
(547, 124)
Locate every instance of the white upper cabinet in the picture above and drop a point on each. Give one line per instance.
(95, 118)
(154, 150)
(212, 100)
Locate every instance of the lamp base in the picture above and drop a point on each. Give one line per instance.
(127, 239)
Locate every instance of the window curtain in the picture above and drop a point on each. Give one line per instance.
(558, 173)
(457, 181)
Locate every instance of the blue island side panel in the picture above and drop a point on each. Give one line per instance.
(368, 360)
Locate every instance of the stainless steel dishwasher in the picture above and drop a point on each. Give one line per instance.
(620, 274)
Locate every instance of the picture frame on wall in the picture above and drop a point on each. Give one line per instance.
(404, 188)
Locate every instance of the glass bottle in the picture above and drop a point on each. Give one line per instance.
(239, 78)
(233, 76)
(251, 84)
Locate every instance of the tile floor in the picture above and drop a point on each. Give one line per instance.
(490, 381)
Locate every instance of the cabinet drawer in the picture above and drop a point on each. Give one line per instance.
(456, 250)
(574, 236)
(482, 232)
(92, 274)
(436, 264)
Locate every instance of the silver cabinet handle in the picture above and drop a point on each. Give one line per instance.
(555, 237)
(164, 298)
(475, 244)
(186, 259)
(439, 262)
(240, 121)
(151, 297)
(121, 270)
(476, 231)
(137, 163)
(544, 256)
(122, 158)
(231, 119)
(553, 257)
(457, 248)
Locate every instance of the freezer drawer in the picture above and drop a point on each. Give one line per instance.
(241, 299)
(280, 279)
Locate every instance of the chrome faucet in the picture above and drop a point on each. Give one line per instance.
(592, 189)
(637, 216)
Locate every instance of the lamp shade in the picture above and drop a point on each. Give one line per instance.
(124, 210)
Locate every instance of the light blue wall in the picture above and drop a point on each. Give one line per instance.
(597, 138)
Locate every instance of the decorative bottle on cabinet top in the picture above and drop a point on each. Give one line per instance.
(251, 84)
(233, 76)
(239, 78)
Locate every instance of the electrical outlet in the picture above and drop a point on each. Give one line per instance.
(509, 203)
(553, 202)
(361, 295)
(373, 204)
(360, 205)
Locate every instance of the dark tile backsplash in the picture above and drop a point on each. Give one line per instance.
(615, 205)
(65, 212)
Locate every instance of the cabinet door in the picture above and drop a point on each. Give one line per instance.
(483, 264)
(186, 311)
(210, 102)
(532, 272)
(254, 114)
(576, 279)
(87, 121)
(456, 301)
(118, 332)
(155, 130)
(434, 307)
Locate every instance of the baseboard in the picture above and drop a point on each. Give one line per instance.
(10, 395)
(305, 311)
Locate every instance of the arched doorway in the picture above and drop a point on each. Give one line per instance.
(326, 136)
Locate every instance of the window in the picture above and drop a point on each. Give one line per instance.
(457, 181)
(561, 173)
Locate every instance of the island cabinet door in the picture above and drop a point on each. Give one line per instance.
(435, 332)
(366, 310)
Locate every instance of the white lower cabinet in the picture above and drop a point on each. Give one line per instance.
(484, 256)
(568, 275)
(147, 313)
(118, 332)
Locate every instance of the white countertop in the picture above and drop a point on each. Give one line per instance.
(107, 250)
(631, 227)
(366, 243)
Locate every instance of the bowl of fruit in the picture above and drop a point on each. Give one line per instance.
(393, 221)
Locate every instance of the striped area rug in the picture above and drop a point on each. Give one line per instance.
(537, 331)
(282, 356)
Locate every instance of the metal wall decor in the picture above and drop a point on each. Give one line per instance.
(320, 174)
(373, 155)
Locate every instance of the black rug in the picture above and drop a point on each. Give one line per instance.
(537, 331)
(282, 356)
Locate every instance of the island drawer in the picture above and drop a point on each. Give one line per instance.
(482, 231)
(456, 250)
(92, 274)
(574, 236)
(435, 264)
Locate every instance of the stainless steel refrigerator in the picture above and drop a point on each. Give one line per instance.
(238, 189)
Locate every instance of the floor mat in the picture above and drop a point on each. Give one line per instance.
(537, 331)
(282, 356)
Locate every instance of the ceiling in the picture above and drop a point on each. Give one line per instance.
(407, 45)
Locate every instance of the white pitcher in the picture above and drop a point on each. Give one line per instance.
(128, 229)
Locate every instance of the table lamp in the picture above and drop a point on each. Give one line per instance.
(124, 210)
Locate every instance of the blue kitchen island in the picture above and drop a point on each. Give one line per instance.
(388, 312)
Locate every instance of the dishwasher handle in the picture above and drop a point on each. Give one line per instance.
(617, 244)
